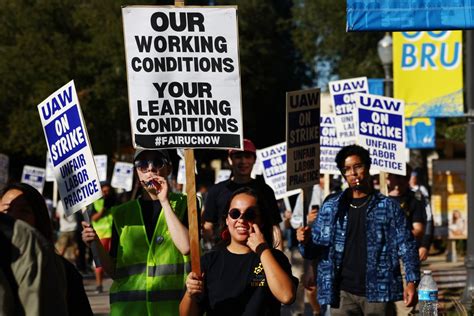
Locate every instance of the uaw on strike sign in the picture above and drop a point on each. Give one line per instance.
(342, 95)
(183, 76)
(381, 129)
(69, 148)
(302, 138)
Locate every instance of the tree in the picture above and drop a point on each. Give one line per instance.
(322, 38)
(269, 67)
(44, 45)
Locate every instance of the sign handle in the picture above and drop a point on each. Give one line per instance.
(94, 249)
(307, 192)
(192, 211)
(55, 194)
(383, 183)
(327, 185)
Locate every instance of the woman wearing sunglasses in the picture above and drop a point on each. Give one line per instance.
(148, 255)
(244, 275)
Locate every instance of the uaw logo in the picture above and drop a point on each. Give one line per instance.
(258, 277)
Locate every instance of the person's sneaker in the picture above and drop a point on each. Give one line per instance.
(99, 289)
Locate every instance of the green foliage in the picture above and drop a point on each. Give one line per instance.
(453, 129)
(44, 45)
(269, 66)
(322, 38)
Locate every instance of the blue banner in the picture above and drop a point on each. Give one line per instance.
(409, 15)
(420, 132)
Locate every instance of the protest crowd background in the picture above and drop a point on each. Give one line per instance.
(281, 88)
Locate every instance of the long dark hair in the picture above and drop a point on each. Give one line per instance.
(38, 206)
(265, 223)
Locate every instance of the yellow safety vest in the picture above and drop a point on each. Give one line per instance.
(102, 226)
(149, 276)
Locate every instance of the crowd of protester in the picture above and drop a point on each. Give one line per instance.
(143, 244)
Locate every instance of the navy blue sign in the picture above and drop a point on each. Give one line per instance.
(267, 164)
(386, 125)
(65, 135)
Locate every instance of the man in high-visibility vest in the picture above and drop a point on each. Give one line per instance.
(102, 223)
(150, 242)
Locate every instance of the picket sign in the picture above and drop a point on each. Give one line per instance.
(163, 109)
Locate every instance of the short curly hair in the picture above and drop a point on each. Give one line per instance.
(353, 150)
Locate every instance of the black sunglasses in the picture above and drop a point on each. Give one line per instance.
(156, 163)
(249, 215)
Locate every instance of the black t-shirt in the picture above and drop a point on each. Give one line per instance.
(354, 264)
(219, 195)
(412, 207)
(235, 284)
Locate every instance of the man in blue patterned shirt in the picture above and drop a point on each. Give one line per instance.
(358, 240)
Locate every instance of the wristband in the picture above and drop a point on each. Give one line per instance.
(261, 248)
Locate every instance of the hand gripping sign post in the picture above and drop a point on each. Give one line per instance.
(70, 150)
(380, 127)
(302, 139)
(183, 85)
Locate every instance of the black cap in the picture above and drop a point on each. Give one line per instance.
(162, 152)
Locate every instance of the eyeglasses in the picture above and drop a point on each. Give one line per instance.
(156, 164)
(249, 215)
(355, 168)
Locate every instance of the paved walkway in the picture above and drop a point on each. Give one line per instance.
(99, 302)
(450, 277)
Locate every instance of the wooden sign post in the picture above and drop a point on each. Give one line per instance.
(383, 183)
(327, 184)
(192, 211)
